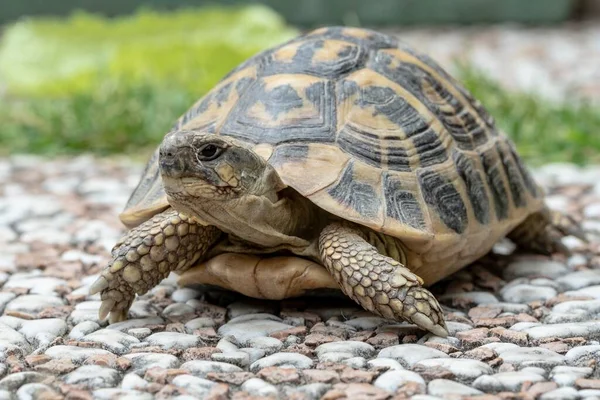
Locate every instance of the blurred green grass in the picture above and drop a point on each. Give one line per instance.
(116, 86)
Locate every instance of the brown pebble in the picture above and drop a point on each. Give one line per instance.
(57, 366)
(481, 354)
(587, 383)
(320, 376)
(355, 391)
(558, 347)
(505, 322)
(362, 336)
(199, 353)
(408, 390)
(506, 335)
(277, 375)
(410, 339)
(473, 337)
(350, 375)
(78, 394)
(446, 348)
(384, 339)
(103, 360)
(36, 359)
(232, 378)
(123, 363)
(156, 374)
(300, 349)
(539, 388)
(296, 331)
(484, 312)
(218, 392)
(431, 373)
(317, 339)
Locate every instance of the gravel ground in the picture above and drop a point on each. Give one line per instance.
(518, 323)
(556, 62)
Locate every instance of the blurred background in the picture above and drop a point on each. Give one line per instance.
(110, 77)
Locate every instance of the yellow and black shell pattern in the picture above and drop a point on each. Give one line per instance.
(371, 131)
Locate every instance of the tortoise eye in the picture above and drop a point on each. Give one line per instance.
(209, 152)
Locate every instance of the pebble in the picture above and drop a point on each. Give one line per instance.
(385, 362)
(82, 329)
(112, 340)
(139, 333)
(506, 381)
(354, 348)
(445, 387)
(33, 303)
(34, 391)
(5, 298)
(367, 323)
(239, 358)
(564, 393)
(14, 381)
(410, 354)
(85, 311)
(463, 369)
(184, 294)
(566, 376)
(195, 386)
(43, 331)
(178, 310)
(93, 377)
(226, 346)
(198, 323)
(525, 293)
(478, 298)
(313, 391)
(392, 380)
(579, 279)
(172, 340)
(580, 329)
(201, 368)
(581, 355)
(132, 381)
(246, 327)
(9, 336)
(134, 323)
(253, 354)
(534, 268)
(258, 387)
(111, 394)
(289, 360)
(141, 362)
(268, 344)
(76, 354)
(355, 362)
(40, 285)
(532, 356)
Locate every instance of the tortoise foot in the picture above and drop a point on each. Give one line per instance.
(378, 283)
(145, 256)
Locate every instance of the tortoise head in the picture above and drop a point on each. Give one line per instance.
(195, 165)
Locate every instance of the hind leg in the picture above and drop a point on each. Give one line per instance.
(542, 232)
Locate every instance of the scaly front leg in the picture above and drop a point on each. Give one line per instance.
(170, 241)
(378, 283)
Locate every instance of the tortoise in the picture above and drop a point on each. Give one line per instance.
(340, 159)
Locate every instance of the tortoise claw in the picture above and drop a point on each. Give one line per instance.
(99, 285)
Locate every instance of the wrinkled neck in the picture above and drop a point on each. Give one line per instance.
(287, 221)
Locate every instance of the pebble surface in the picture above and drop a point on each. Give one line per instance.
(521, 326)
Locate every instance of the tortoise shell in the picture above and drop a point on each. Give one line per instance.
(369, 130)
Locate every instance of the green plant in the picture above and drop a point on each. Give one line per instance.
(543, 131)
